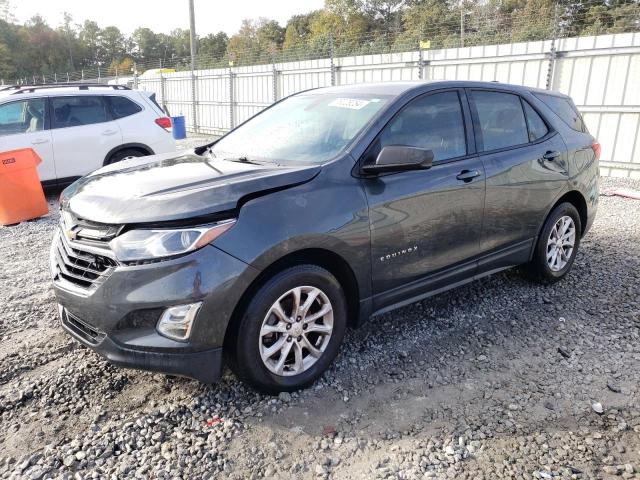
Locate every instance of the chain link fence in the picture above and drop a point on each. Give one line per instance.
(599, 67)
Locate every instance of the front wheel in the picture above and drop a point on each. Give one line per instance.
(557, 245)
(291, 330)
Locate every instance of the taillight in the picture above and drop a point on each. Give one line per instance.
(164, 122)
(595, 146)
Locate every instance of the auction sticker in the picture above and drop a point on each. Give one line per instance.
(350, 103)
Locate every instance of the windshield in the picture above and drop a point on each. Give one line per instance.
(306, 128)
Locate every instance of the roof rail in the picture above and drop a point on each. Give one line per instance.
(80, 86)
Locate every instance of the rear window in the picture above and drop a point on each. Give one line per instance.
(123, 107)
(76, 111)
(565, 109)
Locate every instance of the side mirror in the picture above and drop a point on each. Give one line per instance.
(399, 158)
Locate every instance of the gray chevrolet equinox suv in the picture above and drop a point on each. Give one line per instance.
(329, 207)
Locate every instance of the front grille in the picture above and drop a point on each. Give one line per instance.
(79, 266)
(81, 329)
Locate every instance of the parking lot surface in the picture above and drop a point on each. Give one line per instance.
(498, 379)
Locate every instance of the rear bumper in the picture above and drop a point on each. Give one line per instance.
(204, 365)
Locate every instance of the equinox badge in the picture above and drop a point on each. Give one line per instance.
(399, 253)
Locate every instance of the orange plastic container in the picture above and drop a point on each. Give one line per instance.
(21, 195)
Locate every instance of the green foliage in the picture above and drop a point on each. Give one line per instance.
(344, 27)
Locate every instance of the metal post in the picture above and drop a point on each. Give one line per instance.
(99, 74)
(194, 100)
(67, 77)
(163, 92)
(192, 34)
(55, 77)
(420, 62)
(232, 103)
(333, 65)
(116, 75)
(193, 39)
(135, 76)
(82, 73)
(461, 23)
(276, 83)
(553, 51)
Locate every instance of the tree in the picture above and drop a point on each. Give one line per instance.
(385, 14)
(269, 35)
(430, 20)
(297, 31)
(343, 21)
(111, 44)
(68, 31)
(243, 45)
(351, 27)
(6, 11)
(90, 37)
(180, 42)
(213, 45)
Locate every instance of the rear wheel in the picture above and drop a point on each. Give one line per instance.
(557, 245)
(125, 155)
(291, 330)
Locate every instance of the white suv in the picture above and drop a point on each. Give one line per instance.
(78, 128)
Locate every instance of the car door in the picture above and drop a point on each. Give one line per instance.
(23, 124)
(425, 224)
(526, 167)
(83, 133)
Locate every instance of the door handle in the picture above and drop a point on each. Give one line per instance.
(39, 141)
(468, 175)
(551, 155)
(109, 132)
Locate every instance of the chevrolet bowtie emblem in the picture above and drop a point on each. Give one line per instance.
(70, 234)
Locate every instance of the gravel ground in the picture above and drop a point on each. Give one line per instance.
(499, 379)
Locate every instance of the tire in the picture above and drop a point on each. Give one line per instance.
(299, 370)
(549, 270)
(126, 153)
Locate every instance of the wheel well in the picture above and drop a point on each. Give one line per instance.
(326, 259)
(137, 146)
(577, 200)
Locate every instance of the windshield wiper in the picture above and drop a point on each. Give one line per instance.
(244, 160)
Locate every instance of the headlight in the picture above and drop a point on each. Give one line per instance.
(136, 245)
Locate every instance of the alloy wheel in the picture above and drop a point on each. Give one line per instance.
(296, 331)
(560, 243)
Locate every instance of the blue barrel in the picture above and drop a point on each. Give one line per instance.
(179, 127)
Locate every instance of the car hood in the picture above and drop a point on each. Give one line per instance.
(171, 187)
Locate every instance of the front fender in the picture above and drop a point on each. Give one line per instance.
(329, 212)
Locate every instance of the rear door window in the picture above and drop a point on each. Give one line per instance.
(122, 107)
(434, 122)
(537, 127)
(76, 111)
(565, 109)
(500, 120)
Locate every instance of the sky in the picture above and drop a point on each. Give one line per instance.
(163, 16)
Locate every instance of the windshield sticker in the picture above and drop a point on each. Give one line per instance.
(350, 103)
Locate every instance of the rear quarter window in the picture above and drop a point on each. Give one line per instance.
(123, 107)
(565, 109)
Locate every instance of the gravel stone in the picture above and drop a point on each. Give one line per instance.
(468, 384)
